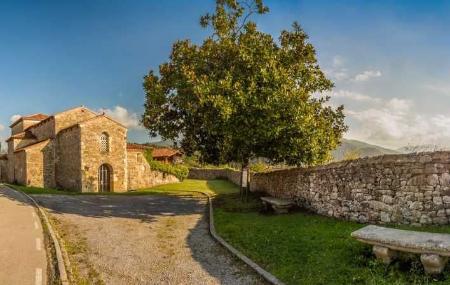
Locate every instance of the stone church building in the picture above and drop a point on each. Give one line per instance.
(78, 150)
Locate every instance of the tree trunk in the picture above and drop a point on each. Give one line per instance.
(244, 187)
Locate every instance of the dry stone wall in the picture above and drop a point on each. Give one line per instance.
(140, 175)
(401, 189)
(213, 173)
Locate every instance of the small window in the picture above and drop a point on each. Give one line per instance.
(104, 142)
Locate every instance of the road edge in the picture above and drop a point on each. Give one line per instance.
(59, 255)
(212, 230)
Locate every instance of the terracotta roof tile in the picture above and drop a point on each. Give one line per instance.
(34, 117)
(165, 152)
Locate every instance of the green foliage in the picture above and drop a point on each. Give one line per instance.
(304, 248)
(242, 94)
(352, 154)
(259, 167)
(179, 171)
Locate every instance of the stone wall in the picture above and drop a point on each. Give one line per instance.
(213, 173)
(19, 168)
(3, 170)
(92, 157)
(71, 117)
(68, 159)
(44, 130)
(37, 172)
(402, 189)
(140, 175)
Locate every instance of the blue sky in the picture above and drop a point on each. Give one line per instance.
(390, 60)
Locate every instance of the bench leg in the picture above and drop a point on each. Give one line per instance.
(280, 210)
(433, 263)
(384, 254)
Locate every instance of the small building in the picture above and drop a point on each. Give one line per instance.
(167, 155)
(77, 149)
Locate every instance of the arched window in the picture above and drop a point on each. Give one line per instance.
(104, 142)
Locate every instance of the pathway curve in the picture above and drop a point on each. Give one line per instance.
(143, 240)
(22, 251)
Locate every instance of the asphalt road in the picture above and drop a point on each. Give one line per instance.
(23, 257)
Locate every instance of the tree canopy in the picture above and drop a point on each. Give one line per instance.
(242, 94)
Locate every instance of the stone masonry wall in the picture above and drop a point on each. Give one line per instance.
(19, 168)
(92, 158)
(213, 173)
(402, 189)
(140, 175)
(39, 170)
(68, 161)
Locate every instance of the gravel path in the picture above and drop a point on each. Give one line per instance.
(143, 240)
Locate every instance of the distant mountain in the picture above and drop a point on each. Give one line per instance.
(422, 148)
(354, 149)
(164, 143)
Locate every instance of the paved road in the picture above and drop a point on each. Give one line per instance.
(143, 240)
(22, 252)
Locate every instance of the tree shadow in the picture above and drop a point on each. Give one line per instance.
(144, 207)
(216, 261)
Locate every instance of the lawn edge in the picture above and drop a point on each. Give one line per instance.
(212, 229)
(62, 272)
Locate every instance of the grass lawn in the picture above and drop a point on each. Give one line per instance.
(212, 187)
(303, 248)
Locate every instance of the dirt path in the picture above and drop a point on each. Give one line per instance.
(143, 240)
(23, 257)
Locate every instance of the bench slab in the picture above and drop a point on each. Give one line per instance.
(280, 206)
(434, 249)
(278, 201)
(403, 240)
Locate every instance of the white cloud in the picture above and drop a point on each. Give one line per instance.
(337, 71)
(438, 88)
(396, 123)
(345, 94)
(123, 116)
(338, 61)
(15, 118)
(366, 75)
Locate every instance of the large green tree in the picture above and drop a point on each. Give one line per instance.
(242, 94)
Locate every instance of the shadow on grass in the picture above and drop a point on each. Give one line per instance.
(305, 248)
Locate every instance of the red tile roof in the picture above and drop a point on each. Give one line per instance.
(34, 117)
(164, 152)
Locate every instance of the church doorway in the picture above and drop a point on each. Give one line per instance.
(104, 178)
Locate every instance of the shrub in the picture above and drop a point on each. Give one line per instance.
(179, 171)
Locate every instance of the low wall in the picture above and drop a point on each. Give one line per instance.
(213, 173)
(401, 189)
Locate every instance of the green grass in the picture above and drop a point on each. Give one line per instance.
(212, 187)
(304, 248)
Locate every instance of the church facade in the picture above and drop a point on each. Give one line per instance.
(77, 149)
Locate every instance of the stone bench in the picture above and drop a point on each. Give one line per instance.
(434, 249)
(280, 206)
